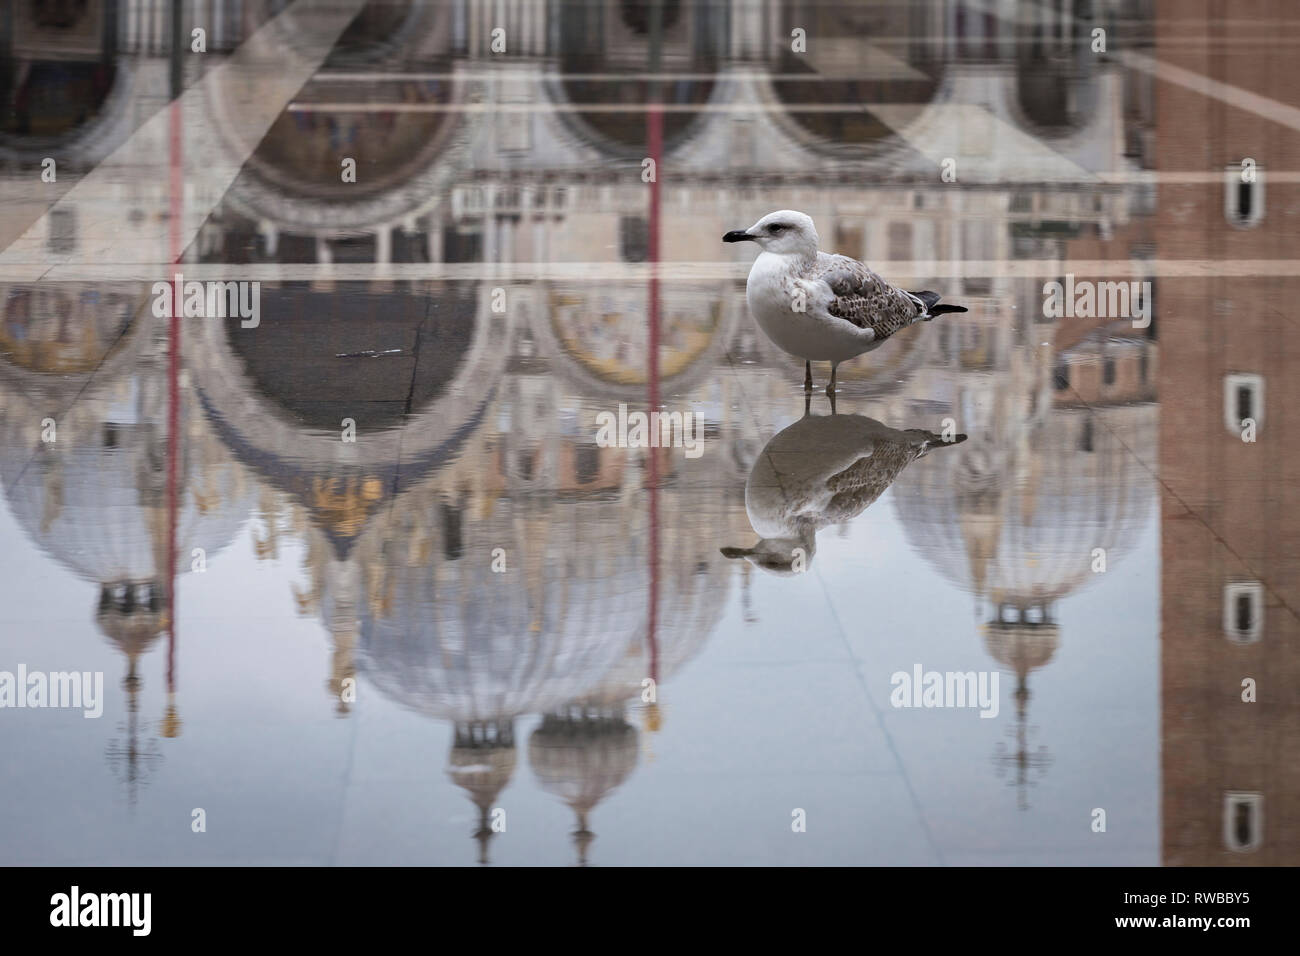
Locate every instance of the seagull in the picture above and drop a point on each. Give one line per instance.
(822, 470)
(821, 307)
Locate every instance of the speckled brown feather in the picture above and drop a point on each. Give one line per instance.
(864, 298)
(860, 484)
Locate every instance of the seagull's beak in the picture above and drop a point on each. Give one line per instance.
(738, 235)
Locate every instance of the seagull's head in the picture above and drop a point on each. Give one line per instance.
(785, 233)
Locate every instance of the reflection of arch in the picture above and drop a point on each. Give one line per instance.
(613, 38)
(274, 436)
(405, 160)
(53, 334)
(301, 154)
(597, 340)
(1056, 89)
(78, 111)
(829, 72)
(386, 31)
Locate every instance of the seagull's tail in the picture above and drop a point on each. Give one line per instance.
(932, 307)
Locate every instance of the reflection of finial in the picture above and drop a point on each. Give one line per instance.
(342, 667)
(128, 756)
(483, 835)
(653, 719)
(582, 837)
(171, 722)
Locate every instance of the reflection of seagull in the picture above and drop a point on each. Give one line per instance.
(822, 307)
(823, 469)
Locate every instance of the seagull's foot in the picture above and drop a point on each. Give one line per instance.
(807, 376)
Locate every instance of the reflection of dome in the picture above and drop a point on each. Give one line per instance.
(95, 497)
(1021, 648)
(457, 641)
(482, 762)
(581, 756)
(1027, 535)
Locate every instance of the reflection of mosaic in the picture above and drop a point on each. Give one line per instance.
(607, 332)
(58, 329)
(303, 151)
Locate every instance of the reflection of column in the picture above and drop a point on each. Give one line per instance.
(506, 232)
(526, 242)
(491, 252)
(747, 31)
(383, 256)
(434, 227)
(324, 278)
(270, 236)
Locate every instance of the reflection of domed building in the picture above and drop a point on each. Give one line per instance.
(1051, 477)
(95, 495)
(511, 569)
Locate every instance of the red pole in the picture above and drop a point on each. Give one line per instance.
(654, 141)
(173, 388)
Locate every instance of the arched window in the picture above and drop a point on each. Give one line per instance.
(1243, 195)
(1243, 821)
(1243, 398)
(586, 463)
(1243, 611)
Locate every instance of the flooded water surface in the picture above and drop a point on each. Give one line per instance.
(395, 472)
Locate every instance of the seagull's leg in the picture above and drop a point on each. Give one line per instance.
(807, 403)
(832, 398)
(807, 376)
(830, 388)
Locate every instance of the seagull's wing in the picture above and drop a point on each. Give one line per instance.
(858, 485)
(864, 299)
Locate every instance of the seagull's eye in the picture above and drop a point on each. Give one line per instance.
(775, 227)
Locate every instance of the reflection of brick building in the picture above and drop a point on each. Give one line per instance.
(1230, 536)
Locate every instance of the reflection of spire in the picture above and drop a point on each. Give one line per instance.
(132, 616)
(482, 762)
(1023, 760)
(132, 760)
(1022, 639)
